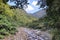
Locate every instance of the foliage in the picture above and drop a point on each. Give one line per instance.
(20, 3)
(43, 4)
(22, 17)
(54, 14)
(6, 20)
(10, 19)
(4, 1)
(52, 20)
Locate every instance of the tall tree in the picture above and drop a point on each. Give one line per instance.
(42, 3)
(20, 3)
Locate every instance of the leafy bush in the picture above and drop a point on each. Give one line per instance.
(6, 20)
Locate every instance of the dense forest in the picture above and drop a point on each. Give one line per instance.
(10, 19)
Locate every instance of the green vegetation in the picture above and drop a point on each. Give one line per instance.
(20, 3)
(6, 20)
(22, 17)
(54, 15)
(51, 21)
(12, 18)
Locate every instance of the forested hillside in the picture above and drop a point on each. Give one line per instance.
(12, 18)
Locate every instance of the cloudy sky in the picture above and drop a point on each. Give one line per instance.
(32, 7)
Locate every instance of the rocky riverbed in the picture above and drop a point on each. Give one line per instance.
(29, 34)
(37, 35)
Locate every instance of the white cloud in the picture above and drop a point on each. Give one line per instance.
(30, 8)
(11, 3)
(34, 3)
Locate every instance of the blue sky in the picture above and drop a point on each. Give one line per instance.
(32, 7)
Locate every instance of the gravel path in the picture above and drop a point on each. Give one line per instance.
(29, 34)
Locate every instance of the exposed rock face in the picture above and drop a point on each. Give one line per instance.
(29, 34)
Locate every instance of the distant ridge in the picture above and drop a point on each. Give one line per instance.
(40, 13)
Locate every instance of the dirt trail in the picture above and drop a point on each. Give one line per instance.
(20, 35)
(29, 34)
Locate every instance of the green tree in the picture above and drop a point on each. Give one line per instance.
(20, 3)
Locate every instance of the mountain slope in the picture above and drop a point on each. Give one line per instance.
(23, 17)
(40, 13)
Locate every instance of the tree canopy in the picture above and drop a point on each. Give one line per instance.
(42, 3)
(20, 3)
